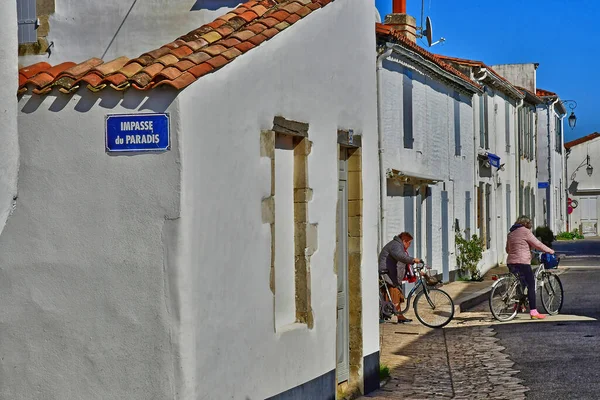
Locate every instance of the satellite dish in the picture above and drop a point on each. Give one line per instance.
(427, 32)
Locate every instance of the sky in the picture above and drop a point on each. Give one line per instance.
(562, 36)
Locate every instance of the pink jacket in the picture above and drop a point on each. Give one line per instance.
(518, 244)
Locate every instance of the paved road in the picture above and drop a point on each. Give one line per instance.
(584, 252)
(476, 357)
(559, 358)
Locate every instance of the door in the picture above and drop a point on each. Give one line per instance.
(589, 216)
(343, 359)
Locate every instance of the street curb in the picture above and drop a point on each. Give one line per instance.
(474, 299)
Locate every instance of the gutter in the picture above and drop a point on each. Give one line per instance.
(382, 174)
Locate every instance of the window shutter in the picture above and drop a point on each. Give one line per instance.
(486, 122)
(27, 20)
(456, 123)
(407, 114)
(481, 121)
(507, 125)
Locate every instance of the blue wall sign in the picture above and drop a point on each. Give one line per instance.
(543, 185)
(494, 160)
(137, 132)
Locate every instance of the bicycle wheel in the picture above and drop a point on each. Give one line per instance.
(552, 294)
(504, 299)
(434, 308)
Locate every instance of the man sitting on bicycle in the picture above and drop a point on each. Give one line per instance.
(519, 242)
(394, 259)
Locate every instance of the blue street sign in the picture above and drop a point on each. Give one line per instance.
(542, 185)
(494, 160)
(137, 132)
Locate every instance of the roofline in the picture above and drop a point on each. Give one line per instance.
(498, 79)
(417, 58)
(582, 140)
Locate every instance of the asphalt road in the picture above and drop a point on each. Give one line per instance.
(584, 252)
(559, 358)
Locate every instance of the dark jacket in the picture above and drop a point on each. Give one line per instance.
(393, 258)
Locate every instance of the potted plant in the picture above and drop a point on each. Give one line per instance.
(469, 253)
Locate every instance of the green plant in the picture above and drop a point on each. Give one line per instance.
(569, 235)
(469, 253)
(384, 372)
(545, 234)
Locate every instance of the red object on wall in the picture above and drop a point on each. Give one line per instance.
(399, 6)
(569, 210)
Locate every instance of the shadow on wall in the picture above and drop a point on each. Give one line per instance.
(214, 4)
(158, 100)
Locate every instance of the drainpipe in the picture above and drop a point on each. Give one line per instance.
(382, 175)
(549, 105)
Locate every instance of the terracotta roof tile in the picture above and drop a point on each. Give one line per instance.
(256, 28)
(389, 33)
(214, 50)
(182, 51)
(218, 61)
(196, 45)
(182, 81)
(581, 140)
(198, 57)
(544, 93)
(231, 53)
(230, 42)
(131, 69)
(184, 65)
(180, 62)
(168, 59)
(32, 70)
(258, 39)
(112, 66)
(201, 69)
(243, 35)
(244, 46)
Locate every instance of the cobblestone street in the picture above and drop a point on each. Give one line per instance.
(461, 361)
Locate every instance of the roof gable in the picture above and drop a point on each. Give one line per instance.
(388, 32)
(181, 62)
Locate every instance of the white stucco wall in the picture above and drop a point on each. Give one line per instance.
(433, 153)
(226, 303)
(87, 311)
(9, 151)
(551, 167)
(81, 29)
(584, 186)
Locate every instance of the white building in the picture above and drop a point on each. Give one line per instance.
(524, 77)
(552, 185)
(239, 261)
(497, 146)
(584, 183)
(427, 148)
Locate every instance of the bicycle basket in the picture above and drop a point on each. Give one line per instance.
(431, 280)
(549, 260)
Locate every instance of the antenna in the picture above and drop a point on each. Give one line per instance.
(428, 31)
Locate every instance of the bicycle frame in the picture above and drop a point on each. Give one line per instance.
(419, 285)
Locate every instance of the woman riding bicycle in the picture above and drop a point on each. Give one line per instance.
(519, 242)
(395, 260)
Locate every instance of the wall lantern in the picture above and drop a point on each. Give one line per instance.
(572, 120)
